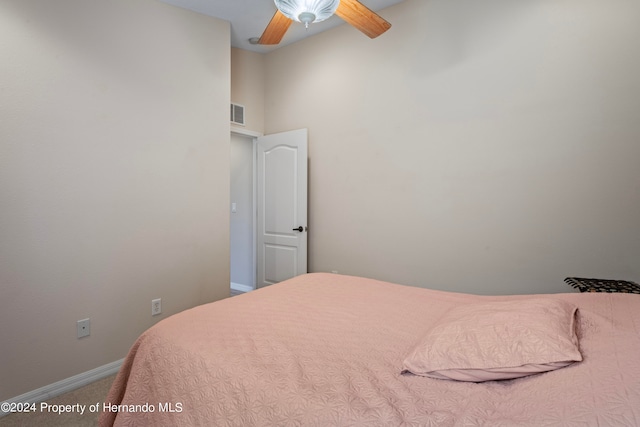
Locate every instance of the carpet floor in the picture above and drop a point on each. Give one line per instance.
(93, 393)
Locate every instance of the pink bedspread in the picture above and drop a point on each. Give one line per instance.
(327, 350)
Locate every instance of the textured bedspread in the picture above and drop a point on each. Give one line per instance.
(327, 350)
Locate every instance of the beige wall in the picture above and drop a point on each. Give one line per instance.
(114, 177)
(485, 147)
(247, 86)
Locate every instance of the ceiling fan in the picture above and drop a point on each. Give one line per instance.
(310, 11)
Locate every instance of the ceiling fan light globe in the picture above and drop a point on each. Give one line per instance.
(303, 10)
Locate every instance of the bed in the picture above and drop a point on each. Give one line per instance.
(331, 350)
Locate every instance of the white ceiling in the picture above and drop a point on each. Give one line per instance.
(249, 18)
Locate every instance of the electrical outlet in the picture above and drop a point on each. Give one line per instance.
(156, 306)
(84, 327)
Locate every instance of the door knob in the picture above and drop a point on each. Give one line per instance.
(300, 229)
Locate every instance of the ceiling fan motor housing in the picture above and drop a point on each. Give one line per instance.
(307, 11)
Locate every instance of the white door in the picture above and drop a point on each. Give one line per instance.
(282, 206)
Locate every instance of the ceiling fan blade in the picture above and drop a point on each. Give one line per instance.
(276, 29)
(363, 18)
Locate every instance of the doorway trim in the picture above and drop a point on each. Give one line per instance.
(245, 132)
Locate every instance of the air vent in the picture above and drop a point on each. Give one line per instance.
(237, 114)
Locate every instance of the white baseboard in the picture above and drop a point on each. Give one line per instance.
(241, 288)
(64, 386)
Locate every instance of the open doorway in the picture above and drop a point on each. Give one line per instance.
(268, 225)
(242, 222)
